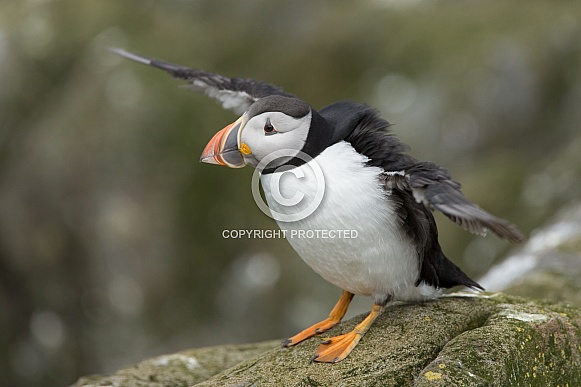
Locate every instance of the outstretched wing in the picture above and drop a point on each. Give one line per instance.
(433, 186)
(430, 184)
(236, 94)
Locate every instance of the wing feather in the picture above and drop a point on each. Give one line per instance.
(433, 186)
(236, 94)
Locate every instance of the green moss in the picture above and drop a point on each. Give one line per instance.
(521, 344)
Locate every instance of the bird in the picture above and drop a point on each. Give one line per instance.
(370, 187)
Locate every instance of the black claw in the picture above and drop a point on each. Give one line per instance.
(286, 343)
(314, 358)
(326, 342)
(317, 331)
(335, 360)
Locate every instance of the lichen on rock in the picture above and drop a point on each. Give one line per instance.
(461, 339)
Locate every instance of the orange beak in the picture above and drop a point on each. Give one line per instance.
(223, 148)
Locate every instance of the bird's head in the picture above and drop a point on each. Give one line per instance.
(271, 124)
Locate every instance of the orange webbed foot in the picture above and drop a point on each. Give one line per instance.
(314, 330)
(336, 348)
(336, 315)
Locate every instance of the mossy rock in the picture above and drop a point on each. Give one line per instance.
(463, 339)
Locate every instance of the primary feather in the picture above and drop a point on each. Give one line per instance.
(236, 94)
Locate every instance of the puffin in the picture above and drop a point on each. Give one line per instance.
(356, 207)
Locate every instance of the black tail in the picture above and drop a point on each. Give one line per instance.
(440, 272)
(435, 268)
(450, 275)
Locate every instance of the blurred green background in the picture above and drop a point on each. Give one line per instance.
(111, 246)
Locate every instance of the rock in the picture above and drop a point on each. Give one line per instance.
(180, 369)
(521, 343)
(461, 339)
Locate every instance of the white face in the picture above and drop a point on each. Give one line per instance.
(272, 131)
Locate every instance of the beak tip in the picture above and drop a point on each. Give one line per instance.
(208, 160)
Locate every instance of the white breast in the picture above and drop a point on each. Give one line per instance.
(378, 259)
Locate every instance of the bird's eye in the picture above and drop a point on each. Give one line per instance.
(268, 128)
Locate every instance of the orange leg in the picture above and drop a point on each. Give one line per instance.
(334, 317)
(338, 348)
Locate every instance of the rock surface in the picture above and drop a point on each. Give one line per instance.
(462, 339)
(180, 369)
